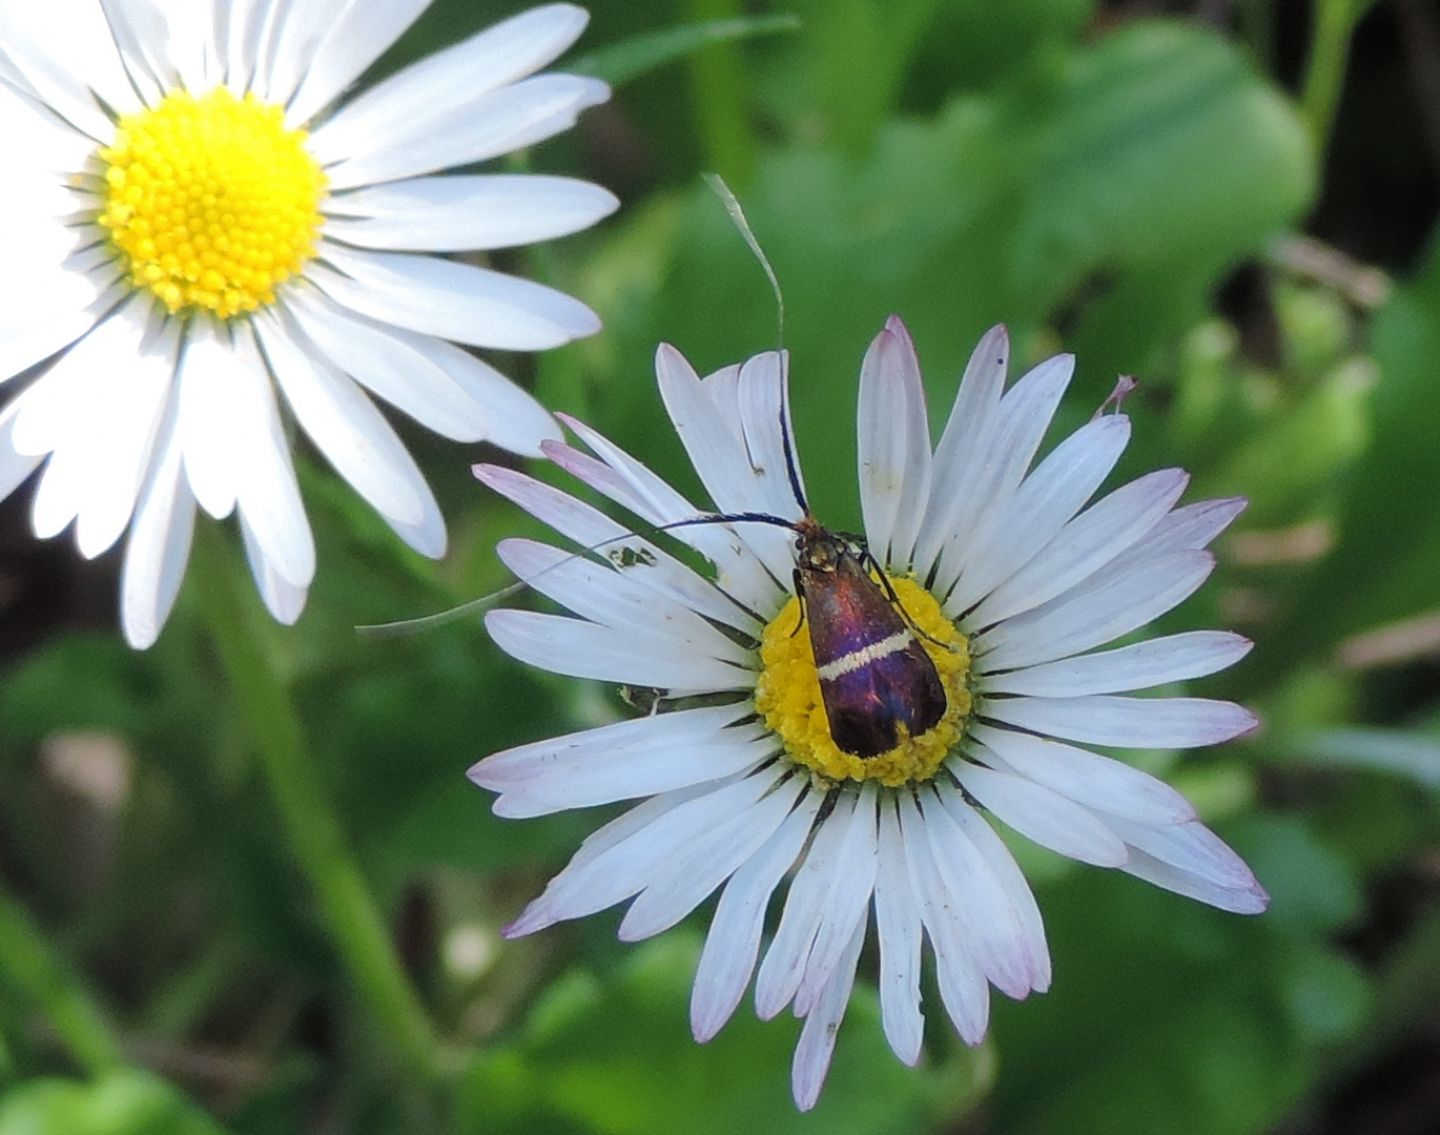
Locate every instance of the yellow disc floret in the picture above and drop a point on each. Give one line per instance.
(787, 696)
(212, 201)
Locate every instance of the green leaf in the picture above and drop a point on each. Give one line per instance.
(622, 62)
(1313, 889)
(617, 1057)
(1190, 1020)
(129, 1102)
(1327, 994)
(1408, 753)
(1382, 568)
(1128, 174)
(1285, 467)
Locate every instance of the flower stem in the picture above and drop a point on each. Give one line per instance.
(350, 912)
(1333, 22)
(30, 965)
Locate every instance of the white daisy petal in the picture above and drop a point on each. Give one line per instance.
(1192, 848)
(1193, 526)
(48, 418)
(169, 42)
(159, 541)
(810, 892)
(351, 433)
(1097, 782)
(457, 213)
(67, 58)
(953, 502)
(762, 387)
(1042, 815)
(602, 840)
(486, 62)
(67, 321)
(217, 389)
(242, 32)
(390, 363)
(629, 483)
(1097, 612)
(1238, 900)
(993, 926)
(266, 493)
(628, 866)
(706, 860)
(591, 529)
(822, 1025)
(644, 772)
(720, 456)
(15, 467)
(428, 130)
(453, 301)
(588, 650)
(51, 146)
(1007, 874)
(1006, 449)
(617, 598)
(118, 454)
(855, 883)
(512, 418)
(894, 444)
(1141, 665)
(1045, 501)
(63, 413)
(349, 40)
(963, 988)
(899, 929)
(733, 943)
(676, 733)
(1132, 723)
(1110, 526)
(282, 598)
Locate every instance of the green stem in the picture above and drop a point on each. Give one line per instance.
(721, 101)
(30, 965)
(1334, 21)
(357, 929)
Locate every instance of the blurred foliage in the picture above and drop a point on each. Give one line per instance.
(1131, 188)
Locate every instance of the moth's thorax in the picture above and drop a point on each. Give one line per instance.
(817, 549)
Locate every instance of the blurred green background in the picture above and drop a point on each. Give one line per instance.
(1233, 199)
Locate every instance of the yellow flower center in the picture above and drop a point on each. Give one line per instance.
(788, 697)
(211, 200)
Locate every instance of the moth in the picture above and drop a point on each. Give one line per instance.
(874, 672)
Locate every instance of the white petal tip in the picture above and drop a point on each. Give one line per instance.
(666, 357)
(585, 324)
(766, 1011)
(705, 1026)
(528, 922)
(140, 636)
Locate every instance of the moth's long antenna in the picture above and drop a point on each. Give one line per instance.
(737, 217)
(440, 618)
(484, 602)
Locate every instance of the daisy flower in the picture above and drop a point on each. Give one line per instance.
(193, 228)
(1008, 583)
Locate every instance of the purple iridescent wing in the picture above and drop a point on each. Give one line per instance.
(874, 674)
